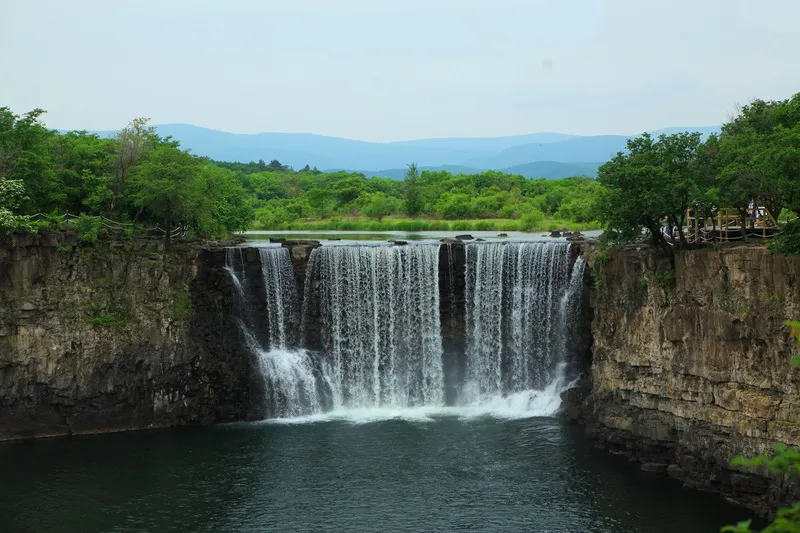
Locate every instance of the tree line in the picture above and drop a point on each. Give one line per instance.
(136, 176)
(284, 196)
(755, 158)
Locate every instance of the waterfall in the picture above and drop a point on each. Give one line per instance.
(379, 313)
(294, 383)
(518, 297)
(281, 295)
(237, 274)
(371, 322)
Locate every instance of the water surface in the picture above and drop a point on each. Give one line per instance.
(423, 474)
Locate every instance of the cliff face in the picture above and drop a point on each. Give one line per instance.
(687, 375)
(116, 336)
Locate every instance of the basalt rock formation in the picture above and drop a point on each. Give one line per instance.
(691, 367)
(116, 336)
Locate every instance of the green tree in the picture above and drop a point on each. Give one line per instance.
(228, 208)
(167, 184)
(83, 165)
(379, 206)
(759, 156)
(130, 145)
(411, 191)
(267, 185)
(25, 154)
(631, 199)
(12, 194)
(651, 182)
(321, 199)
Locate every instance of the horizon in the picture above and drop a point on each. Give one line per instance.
(392, 71)
(299, 133)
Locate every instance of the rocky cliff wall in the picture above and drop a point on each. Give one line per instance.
(691, 369)
(116, 336)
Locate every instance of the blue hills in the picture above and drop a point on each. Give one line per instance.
(536, 155)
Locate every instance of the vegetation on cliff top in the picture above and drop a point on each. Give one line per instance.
(756, 157)
(135, 177)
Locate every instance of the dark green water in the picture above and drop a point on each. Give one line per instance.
(534, 475)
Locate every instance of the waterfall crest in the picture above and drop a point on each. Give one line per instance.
(379, 312)
(517, 296)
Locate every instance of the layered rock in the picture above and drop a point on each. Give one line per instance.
(116, 336)
(691, 368)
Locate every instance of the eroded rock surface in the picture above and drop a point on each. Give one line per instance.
(116, 336)
(692, 373)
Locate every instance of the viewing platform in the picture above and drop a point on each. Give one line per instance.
(729, 225)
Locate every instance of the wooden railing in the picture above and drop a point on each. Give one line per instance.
(726, 225)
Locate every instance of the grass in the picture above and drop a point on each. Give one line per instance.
(105, 319)
(429, 224)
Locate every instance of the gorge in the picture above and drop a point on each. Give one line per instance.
(444, 336)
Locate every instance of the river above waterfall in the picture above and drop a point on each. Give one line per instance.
(429, 474)
(353, 237)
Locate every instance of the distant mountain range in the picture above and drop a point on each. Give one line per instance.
(545, 155)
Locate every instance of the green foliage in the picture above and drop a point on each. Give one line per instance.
(182, 305)
(654, 180)
(532, 221)
(788, 242)
(756, 157)
(12, 194)
(602, 258)
(665, 279)
(44, 171)
(412, 192)
(88, 228)
(105, 319)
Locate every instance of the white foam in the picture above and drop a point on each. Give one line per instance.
(516, 406)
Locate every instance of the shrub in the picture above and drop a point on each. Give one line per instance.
(106, 319)
(532, 221)
(665, 279)
(788, 242)
(9, 222)
(484, 225)
(88, 228)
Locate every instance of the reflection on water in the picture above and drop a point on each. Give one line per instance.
(437, 473)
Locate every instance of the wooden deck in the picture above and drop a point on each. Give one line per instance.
(726, 226)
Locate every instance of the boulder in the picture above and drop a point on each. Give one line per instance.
(502, 234)
(555, 234)
(465, 237)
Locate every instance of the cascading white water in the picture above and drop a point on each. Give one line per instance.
(293, 385)
(281, 295)
(379, 308)
(375, 313)
(516, 317)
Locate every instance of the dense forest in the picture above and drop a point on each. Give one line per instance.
(139, 178)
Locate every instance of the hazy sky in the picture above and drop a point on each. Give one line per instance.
(397, 69)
